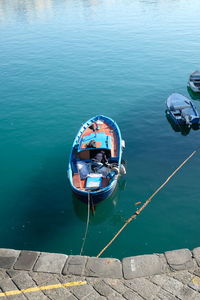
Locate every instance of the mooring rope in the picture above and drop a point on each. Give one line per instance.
(87, 224)
(146, 202)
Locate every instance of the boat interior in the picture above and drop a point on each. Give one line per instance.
(178, 108)
(195, 80)
(103, 137)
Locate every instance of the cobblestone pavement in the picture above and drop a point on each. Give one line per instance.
(34, 275)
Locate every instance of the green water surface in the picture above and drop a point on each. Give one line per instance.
(62, 62)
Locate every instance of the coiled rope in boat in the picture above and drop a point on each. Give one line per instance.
(147, 202)
(87, 224)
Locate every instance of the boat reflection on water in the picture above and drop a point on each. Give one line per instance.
(103, 210)
(193, 95)
(183, 129)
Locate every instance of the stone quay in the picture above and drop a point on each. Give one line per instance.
(38, 275)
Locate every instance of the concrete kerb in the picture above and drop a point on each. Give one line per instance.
(196, 255)
(26, 260)
(75, 265)
(128, 268)
(103, 267)
(50, 263)
(144, 265)
(179, 259)
(8, 257)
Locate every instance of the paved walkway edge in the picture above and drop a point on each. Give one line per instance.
(127, 268)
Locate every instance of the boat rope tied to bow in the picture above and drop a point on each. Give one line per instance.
(147, 202)
(87, 224)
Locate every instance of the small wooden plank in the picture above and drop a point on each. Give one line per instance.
(76, 180)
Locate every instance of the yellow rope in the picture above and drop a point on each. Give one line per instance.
(146, 203)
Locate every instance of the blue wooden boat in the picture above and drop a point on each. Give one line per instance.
(95, 159)
(194, 82)
(182, 110)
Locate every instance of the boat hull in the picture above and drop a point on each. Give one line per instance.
(194, 88)
(96, 197)
(194, 81)
(181, 121)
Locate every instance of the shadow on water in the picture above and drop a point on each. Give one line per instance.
(104, 209)
(45, 209)
(193, 95)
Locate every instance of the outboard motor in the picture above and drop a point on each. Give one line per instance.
(187, 119)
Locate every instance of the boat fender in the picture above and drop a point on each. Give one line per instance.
(122, 170)
(123, 144)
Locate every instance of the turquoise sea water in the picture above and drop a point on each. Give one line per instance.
(63, 62)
